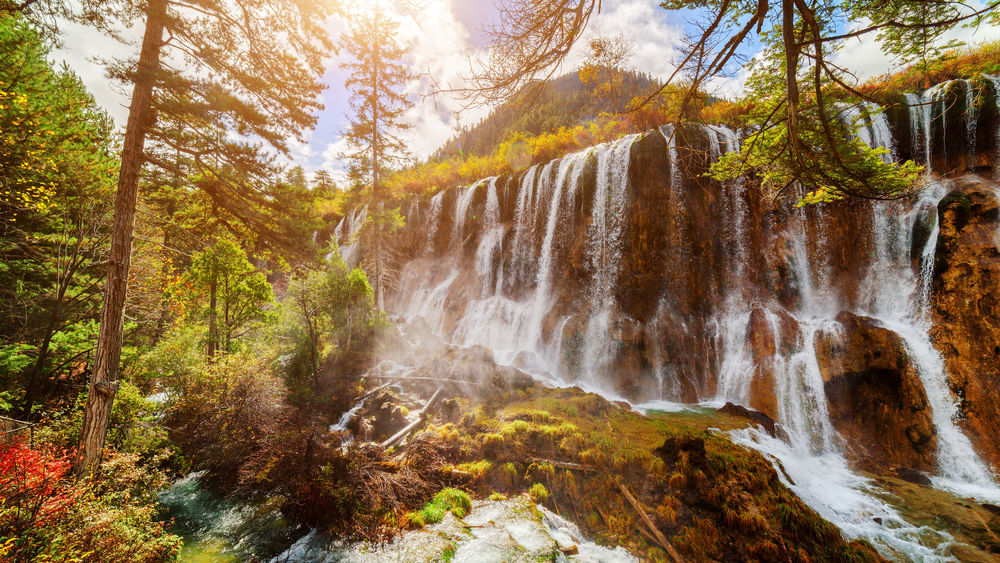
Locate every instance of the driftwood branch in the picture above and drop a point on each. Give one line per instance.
(399, 436)
(660, 538)
(563, 464)
(423, 378)
(372, 392)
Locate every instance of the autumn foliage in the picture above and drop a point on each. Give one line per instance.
(45, 516)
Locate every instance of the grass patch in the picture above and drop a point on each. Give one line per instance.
(447, 500)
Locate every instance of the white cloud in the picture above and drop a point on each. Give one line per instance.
(333, 163)
(645, 24)
(866, 57)
(80, 45)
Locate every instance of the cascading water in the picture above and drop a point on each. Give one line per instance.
(488, 253)
(434, 219)
(921, 110)
(604, 248)
(344, 236)
(518, 278)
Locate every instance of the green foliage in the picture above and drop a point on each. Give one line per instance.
(177, 358)
(837, 163)
(56, 176)
(861, 170)
(329, 311)
(913, 38)
(229, 293)
(447, 500)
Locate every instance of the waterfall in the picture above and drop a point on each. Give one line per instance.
(971, 118)
(604, 250)
(868, 123)
(433, 219)
(523, 257)
(921, 110)
(513, 328)
(995, 81)
(571, 166)
(345, 235)
(489, 252)
(462, 207)
(517, 297)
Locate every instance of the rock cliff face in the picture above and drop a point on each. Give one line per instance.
(967, 307)
(867, 328)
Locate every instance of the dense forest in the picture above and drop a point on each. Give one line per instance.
(620, 318)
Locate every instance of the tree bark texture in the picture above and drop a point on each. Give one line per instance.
(107, 355)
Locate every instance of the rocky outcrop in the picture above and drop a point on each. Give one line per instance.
(875, 397)
(966, 298)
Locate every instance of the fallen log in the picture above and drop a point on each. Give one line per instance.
(563, 464)
(372, 392)
(398, 436)
(423, 378)
(660, 538)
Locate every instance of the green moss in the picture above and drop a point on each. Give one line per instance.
(447, 500)
(515, 428)
(538, 493)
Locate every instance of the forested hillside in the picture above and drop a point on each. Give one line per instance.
(565, 101)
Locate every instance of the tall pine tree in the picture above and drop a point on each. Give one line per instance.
(223, 83)
(377, 78)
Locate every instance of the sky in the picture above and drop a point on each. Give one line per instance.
(441, 37)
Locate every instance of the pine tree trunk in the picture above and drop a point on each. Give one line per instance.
(107, 355)
(213, 322)
(35, 378)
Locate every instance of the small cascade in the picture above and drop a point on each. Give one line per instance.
(433, 219)
(971, 118)
(523, 259)
(345, 235)
(462, 208)
(995, 81)
(347, 417)
(921, 110)
(869, 124)
(489, 252)
(734, 359)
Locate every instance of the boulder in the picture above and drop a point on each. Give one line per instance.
(743, 412)
(875, 396)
